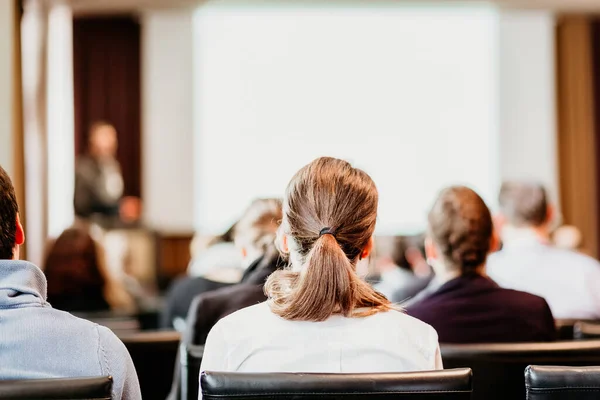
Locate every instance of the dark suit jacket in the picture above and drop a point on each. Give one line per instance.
(474, 309)
(207, 309)
(180, 296)
(91, 195)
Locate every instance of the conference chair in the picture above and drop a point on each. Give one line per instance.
(190, 358)
(562, 383)
(498, 368)
(97, 388)
(586, 330)
(453, 384)
(153, 355)
(564, 328)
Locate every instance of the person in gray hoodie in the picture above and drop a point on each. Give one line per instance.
(38, 341)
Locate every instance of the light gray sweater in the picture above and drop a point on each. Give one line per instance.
(39, 342)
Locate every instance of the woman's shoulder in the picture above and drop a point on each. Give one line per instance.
(402, 320)
(251, 314)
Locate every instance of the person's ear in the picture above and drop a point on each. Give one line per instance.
(550, 214)
(368, 248)
(20, 233)
(284, 244)
(430, 250)
(494, 242)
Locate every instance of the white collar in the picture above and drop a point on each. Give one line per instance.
(521, 237)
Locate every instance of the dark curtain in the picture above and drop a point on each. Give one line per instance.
(106, 57)
(595, 38)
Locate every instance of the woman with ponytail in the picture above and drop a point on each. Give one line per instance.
(320, 316)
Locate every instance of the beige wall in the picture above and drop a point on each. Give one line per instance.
(527, 140)
(6, 84)
(168, 120)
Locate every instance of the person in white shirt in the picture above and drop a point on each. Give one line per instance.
(569, 281)
(321, 316)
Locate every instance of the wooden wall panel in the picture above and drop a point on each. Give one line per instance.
(577, 129)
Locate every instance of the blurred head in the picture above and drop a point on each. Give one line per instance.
(524, 205)
(11, 231)
(73, 264)
(329, 215)
(460, 233)
(255, 232)
(408, 251)
(102, 139)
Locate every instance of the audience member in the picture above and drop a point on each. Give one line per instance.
(78, 279)
(41, 342)
(254, 235)
(462, 303)
(211, 268)
(320, 316)
(568, 280)
(404, 271)
(216, 256)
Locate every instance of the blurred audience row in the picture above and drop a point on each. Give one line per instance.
(329, 284)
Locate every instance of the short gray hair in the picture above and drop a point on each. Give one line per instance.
(523, 203)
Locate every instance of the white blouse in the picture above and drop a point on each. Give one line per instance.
(256, 340)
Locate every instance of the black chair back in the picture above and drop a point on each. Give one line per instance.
(445, 384)
(562, 383)
(586, 330)
(99, 388)
(189, 361)
(498, 368)
(154, 355)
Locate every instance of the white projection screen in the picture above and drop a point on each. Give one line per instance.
(406, 92)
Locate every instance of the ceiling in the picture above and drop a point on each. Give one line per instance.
(118, 6)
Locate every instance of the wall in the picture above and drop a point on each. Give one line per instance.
(167, 120)
(527, 140)
(6, 84)
(526, 115)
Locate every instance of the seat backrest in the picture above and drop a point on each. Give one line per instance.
(562, 383)
(498, 368)
(97, 388)
(154, 355)
(190, 360)
(445, 384)
(564, 328)
(586, 330)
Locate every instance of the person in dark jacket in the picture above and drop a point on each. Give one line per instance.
(462, 303)
(254, 235)
(208, 308)
(213, 262)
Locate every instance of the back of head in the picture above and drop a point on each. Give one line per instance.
(8, 216)
(402, 245)
(329, 215)
(523, 204)
(258, 226)
(72, 264)
(460, 225)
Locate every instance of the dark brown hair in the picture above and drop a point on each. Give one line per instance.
(72, 265)
(8, 216)
(460, 224)
(400, 246)
(523, 204)
(327, 193)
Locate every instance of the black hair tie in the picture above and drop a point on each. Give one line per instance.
(327, 231)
